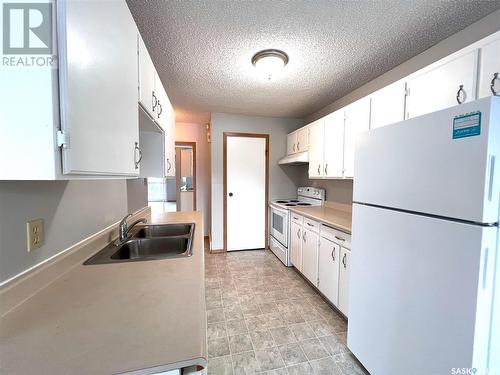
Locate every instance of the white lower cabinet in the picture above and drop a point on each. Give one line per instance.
(296, 245)
(310, 255)
(345, 270)
(328, 270)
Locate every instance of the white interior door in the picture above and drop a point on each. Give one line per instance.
(246, 193)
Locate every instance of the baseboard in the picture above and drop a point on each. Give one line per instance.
(19, 288)
(217, 251)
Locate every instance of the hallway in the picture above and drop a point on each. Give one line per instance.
(264, 318)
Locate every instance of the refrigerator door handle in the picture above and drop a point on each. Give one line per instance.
(492, 173)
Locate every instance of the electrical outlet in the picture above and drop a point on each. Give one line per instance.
(35, 234)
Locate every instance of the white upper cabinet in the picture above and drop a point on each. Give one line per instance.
(443, 85)
(489, 70)
(147, 73)
(316, 148)
(170, 142)
(291, 143)
(357, 119)
(334, 145)
(98, 87)
(388, 105)
(303, 139)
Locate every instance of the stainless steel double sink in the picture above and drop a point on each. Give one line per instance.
(149, 242)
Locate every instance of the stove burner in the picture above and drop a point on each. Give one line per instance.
(294, 200)
(281, 201)
(290, 204)
(303, 204)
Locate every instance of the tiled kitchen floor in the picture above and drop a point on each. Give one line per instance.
(264, 318)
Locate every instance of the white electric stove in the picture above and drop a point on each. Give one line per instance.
(280, 219)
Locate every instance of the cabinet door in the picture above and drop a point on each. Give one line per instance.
(345, 270)
(328, 269)
(334, 145)
(490, 65)
(291, 143)
(438, 88)
(357, 119)
(98, 71)
(303, 139)
(310, 255)
(147, 96)
(388, 105)
(296, 245)
(316, 147)
(170, 143)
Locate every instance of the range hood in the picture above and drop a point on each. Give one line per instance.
(296, 159)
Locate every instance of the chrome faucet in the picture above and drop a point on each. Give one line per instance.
(124, 228)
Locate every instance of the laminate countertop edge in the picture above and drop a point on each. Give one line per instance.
(338, 219)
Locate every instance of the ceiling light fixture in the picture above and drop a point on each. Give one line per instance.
(270, 62)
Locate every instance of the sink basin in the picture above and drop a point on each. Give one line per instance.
(146, 231)
(152, 248)
(150, 242)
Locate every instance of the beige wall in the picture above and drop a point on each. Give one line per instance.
(341, 190)
(71, 210)
(282, 179)
(190, 132)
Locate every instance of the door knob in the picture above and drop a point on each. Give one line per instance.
(230, 194)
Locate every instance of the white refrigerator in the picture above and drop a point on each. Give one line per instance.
(425, 277)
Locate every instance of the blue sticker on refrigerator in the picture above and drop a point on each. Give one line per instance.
(467, 125)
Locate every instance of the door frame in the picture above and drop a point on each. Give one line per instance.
(195, 187)
(224, 174)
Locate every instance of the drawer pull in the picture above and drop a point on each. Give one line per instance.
(310, 224)
(339, 238)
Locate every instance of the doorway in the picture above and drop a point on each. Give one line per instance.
(185, 176)
(246, 190)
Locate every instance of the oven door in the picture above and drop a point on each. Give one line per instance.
(279, 225)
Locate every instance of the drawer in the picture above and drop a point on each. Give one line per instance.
(335, 235)
(311, 225)
(296, 218)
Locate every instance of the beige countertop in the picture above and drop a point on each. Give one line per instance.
(113, 318)
(335, 217)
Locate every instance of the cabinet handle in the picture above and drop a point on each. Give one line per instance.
(304, 236)
(333, 254)
(326, 169)
(492, 85)
(298, 146)
(343, 261)
(169, 165)
(155, 101)
(339, 238)
(298, 233)
(310, 224)
(160, 109)
(137, 148)
(459, 94)
(319, 169)
(294, 147)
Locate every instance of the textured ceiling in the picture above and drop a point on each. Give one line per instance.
(202, 49)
